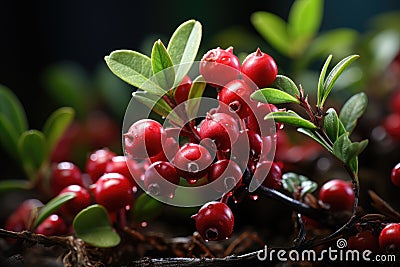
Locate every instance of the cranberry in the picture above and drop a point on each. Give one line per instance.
(144, 139)
(113, 191)
(21, 218)
(100, 130)
(214, 221)
(269, 173)
(389, 238)
(119, 164)
(192, 161)
(256, 122)
(260, 68)
(82, 200)
(64, 174)
(392, 125)
(395, 102)
(227, 173)
(219, 66)
(395, 175)
(337, 194)
(97, 162)
(52, 225)
(222, 128)
(158, 178)
(236, 95)
(362, 241)
(170, 148)
(182, 90)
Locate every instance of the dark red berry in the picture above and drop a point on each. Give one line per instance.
(214, 221)
(395, 175)
(395, 102)
(222, 128)
(170, 148)
(158, 178)
(392, 125)
(389, 238)
(362, 241)
(182, 90)
(192, 161)
(219, 66)
(101, 130)
(256, 122)
(64, 174)
(113, 191)
(53, 225)
(82, 200)
(260, 68)
(21, 218)
(119, 164)
(236, 95)
(97, 162)
(269, 173)
(144, 139)
(226, 173)
(337, 194)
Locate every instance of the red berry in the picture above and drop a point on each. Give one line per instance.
(119, 164)
(395, 102)
(269, 173)
(82, 200)
(226, 173)
(256, 122)
(158, 178)
(144, 139)
(113, 191)
(222, 128)
(362, 241)
(337, 194)
(214, 221)
(97, 162)
(64, 174)
(182, 90)
(260, 68)
(53, 225)
(192, 161)
(395, 175)
(219, 66)
(236, 95)
(392, 125)
(21, 218)
(389, 238)
(170, 148)
(100, 130)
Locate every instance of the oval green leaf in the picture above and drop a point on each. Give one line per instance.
(12, 110)
(331, 124)
(8, 137)
(146, 208)
(352, 110)
(321, 80)
(162, 66)
(32, 151)
(290, 117)
(93, 226)
(273, 96)
(286, 84)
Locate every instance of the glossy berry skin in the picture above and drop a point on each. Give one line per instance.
(21, 218)
(182, 90)
(337, 194)
(53, 225)
(392, 125)
(214, 221)
(222, 128)
(97, 162)
(395, 175)
(119, 164)
(226, 173)
(158, 178)
(219, 66)
(82, 200)
(389, 238)
(236, 95)
(270, 173)
(113, 191)
(260, 68)
(64, 174)
(256, 122)
(362, 241)
(192, 161)
(169, 150)
(144, 139)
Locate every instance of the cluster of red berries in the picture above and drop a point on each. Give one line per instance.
(216, 148)
(108, 181)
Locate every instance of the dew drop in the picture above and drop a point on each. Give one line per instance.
(171, 196)
(211, 234)
(234, 106)
(254, 197)
(128, 207)
(229, 182)
(143, 224)
(154, 189)
(193, 167)
(191, 181)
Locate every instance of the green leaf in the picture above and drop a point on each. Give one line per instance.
(183, 47)
(194, 97)
(352, 110)
(135, 69)
(52, 206)
(290, 117)
(273, 29)
(93, 226)
(32, 151)
(334, 75)
(304, 20)
(345, 150)
(316, 137)
(353, 165)
(56, 125)
(162, 66)
(321, 81)
(13, 185)
(273, 96)
(286, 85)
(8, 137)
(146, 208)
(12, 110)
(331, 124)
(293, 182)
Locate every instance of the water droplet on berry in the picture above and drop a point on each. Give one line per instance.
(211, 234)
(128, 207)
(143, 224)
(191, 181)
(171, 196)
(193, 167)
(234, 106)
(154, 189)
(254, 197)
(229, 182)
